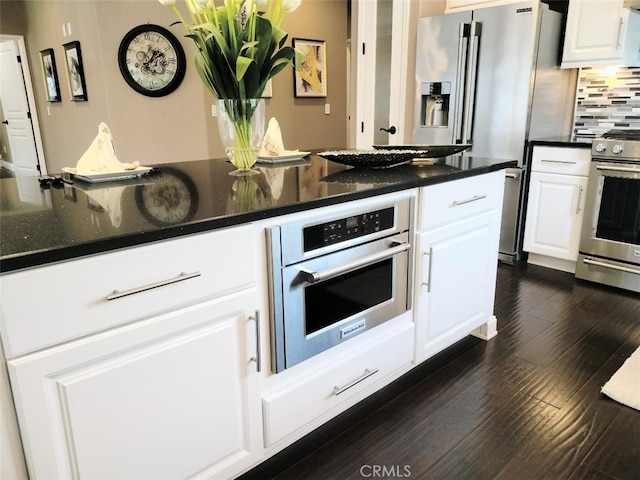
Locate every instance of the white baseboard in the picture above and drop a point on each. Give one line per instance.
(551, 262)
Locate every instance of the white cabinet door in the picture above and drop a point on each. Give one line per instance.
(601, 32)
(459, 5)
(171, 397)
(554, 215)
(456, 286)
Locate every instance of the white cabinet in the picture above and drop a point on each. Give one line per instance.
(329, 383)
(555, 206)
(459, 5)
(457, 262)
(601, 32)
(170, 391)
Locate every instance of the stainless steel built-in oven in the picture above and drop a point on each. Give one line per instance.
(610, 238)
(337, 276)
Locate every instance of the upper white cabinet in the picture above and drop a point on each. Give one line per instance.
(601, 32)
(555, 208)
(459, 5)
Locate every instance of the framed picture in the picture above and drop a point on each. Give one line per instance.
(310, 77)
(50, 72)
(75, 71)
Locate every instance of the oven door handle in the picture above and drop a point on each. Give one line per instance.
(617, 169)
(588, 261)
(314, 277)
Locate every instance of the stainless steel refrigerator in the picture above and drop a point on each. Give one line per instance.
(490, 77)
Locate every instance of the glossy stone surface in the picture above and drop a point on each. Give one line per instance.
(40, 226)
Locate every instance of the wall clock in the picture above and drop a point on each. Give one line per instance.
(151, 60)
(172, 198)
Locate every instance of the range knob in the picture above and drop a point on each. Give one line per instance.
(601, 147)
(617, 149)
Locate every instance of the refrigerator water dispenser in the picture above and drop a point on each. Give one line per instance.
(435, 104)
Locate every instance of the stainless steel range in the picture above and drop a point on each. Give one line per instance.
(610, 239)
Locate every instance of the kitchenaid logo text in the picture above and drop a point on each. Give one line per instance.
(385, 471)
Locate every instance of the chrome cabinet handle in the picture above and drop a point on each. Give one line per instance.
(620, 23)
(475, 198)
(367, 373)
(428, 284)
(258, 358)
(588, 261)
(313, 277)
(180, 278)
(511, 175)
(618, 169)
(579, 201)
(566, 162)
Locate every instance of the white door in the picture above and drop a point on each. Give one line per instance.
(554, 215)
(171, 397)
(16, 121)
(456, 284)
(381, 70)
(594, 29)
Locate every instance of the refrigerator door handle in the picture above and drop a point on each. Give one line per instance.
(470, 82)
(463, 39)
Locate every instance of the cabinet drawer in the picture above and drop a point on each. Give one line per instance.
(564, 161)
(452, 201)
(329, 386)
(55, 303)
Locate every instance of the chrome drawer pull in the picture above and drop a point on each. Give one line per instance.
(588, 261)
(367, 373)
(183, 276)
(468, 200)
(313, 277)
(511, 175)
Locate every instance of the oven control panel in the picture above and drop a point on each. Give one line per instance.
(341, 230)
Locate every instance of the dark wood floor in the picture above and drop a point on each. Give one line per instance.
(525, 405)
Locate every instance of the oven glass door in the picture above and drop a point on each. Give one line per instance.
(333, 300)
(612, 215)
(323, 313)
(619, 215)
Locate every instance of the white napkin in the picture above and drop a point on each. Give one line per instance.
(272, 144)
(100, 157)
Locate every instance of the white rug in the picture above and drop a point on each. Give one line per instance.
(624, 386)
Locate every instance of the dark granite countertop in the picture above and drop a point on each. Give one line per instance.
(41, 226)
(571, 142)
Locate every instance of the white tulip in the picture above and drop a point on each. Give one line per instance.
(290, 5)
(168, 3)
(261, 3)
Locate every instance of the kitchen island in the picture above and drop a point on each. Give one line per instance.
(177, 378)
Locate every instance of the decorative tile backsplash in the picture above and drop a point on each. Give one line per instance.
(607, 98)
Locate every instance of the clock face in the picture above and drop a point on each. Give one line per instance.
(151, 60)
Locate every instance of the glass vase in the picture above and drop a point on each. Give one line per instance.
(241, 126)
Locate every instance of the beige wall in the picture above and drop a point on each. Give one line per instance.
(179, 126)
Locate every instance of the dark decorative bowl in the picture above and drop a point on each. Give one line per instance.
(428, 151)
(371, 158)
